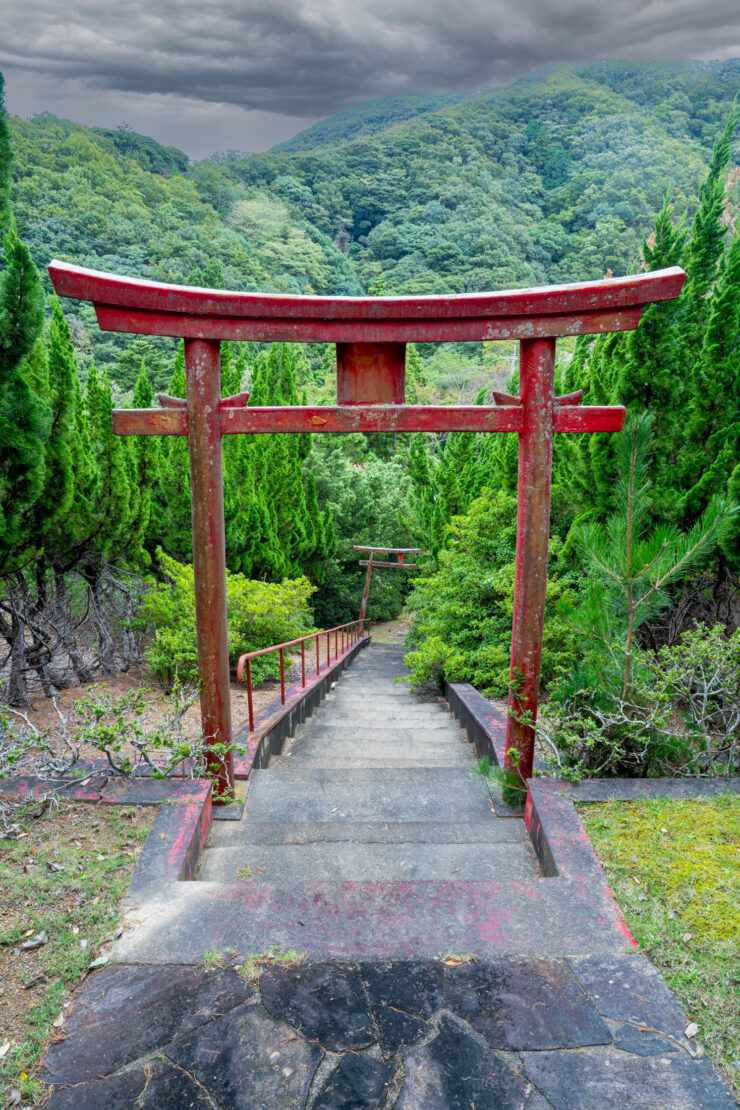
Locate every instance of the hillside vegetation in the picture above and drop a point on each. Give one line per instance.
(577, 172)
(555, 178)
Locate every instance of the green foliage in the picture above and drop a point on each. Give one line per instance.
(259, 614)
(613, 713)
(462, 627)
(367, 498)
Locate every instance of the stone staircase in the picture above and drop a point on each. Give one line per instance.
(376, 786)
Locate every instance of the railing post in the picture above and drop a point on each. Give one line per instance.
(303, 662)
(203, 375)
(318, 661)
(282, 676)
(536, 373)
(249, 695)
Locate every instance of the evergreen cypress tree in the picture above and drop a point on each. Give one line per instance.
(24, 418)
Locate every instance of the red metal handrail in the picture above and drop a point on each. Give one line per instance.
(351, 633)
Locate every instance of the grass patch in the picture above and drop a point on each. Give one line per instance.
(513, 786)
(61, 880)
(674, 867)
(455, 959)
(253, 966)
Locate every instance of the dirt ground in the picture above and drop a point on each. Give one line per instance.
(61, 879)
(390, 632)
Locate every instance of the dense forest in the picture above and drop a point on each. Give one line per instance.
(577, 172)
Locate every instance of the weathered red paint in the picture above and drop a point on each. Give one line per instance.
(371, 372)
(152, 296)
(150, 422)
(536, 372)
(366, 418)
(441, 330)
(371, 334)
(203, 378)
(371, 418)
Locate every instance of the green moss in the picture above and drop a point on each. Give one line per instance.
(674, 867)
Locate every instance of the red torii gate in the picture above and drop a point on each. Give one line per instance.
(371, 335)
(370, 563)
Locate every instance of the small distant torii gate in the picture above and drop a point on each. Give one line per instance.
(371, 334)
(370, 563)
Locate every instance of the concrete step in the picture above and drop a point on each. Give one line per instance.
(399, 794)
(226, 834)
(343, 861)
(327, 740)
(349, 762)
(364, 920)
(362, 732)
(429, 721)
(395, 707)
(390, 721)
(363, 688)
(309, 750)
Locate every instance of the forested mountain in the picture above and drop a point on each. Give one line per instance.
(555, 178)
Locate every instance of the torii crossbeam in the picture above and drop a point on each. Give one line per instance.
(371, 334)
(371, 563)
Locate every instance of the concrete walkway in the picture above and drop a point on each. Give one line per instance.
(440, 969)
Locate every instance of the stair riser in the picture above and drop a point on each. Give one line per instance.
(351, 862)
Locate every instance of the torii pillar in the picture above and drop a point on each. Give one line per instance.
(371, 334)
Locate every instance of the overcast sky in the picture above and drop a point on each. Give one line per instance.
(208, 75)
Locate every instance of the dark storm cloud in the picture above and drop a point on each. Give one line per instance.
(314, 58)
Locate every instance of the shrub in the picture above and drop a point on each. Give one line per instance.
(680, 713)
(462, 627)
(259, 614)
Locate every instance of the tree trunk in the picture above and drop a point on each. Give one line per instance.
(105, 640)
(83, 673)
(39, 655)
(17, 692)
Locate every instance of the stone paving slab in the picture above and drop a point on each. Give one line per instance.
(410, 1034)
(350, 860)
